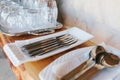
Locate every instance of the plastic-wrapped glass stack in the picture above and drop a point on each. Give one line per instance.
(28, 16)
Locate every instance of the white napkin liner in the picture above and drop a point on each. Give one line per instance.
(18, 57)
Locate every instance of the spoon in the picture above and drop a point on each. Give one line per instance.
(107, 59)
(102, 60)
(74, 74)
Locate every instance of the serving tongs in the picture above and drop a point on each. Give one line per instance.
(98, 60)
(48, 45)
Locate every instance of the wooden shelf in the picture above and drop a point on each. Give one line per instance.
(30, 70)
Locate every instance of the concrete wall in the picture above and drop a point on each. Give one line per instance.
(98, 17)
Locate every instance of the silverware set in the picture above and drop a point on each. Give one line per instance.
(48, 45)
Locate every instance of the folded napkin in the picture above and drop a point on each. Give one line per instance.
(63, 68)
(70, 61)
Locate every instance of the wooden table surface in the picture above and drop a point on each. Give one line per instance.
(30, 70)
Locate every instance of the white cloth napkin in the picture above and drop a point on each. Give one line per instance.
(68, 62)
(63, 68)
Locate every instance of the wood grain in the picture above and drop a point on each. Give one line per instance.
(0, 43)
(30, 70)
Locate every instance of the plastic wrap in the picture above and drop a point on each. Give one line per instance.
(18, 19)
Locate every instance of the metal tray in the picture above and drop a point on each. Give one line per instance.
(34, 32)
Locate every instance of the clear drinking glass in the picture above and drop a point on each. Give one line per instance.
(53, 12)
(30, 4)
(28, 15)
(48, 9)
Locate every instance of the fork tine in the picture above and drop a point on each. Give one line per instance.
(67, 43)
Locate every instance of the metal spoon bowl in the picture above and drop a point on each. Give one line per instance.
(110, 60)
(95, 51)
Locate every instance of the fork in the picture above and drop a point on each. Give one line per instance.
(51, 44)
(53, 47)
(46, 41)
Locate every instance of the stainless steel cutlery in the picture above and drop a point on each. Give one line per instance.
(98, 60)
(50, 44)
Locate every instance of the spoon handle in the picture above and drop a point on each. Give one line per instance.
(74, 74)
(89, 73)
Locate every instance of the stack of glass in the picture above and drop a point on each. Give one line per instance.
(28, 15)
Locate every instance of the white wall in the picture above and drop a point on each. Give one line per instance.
(99, 17)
